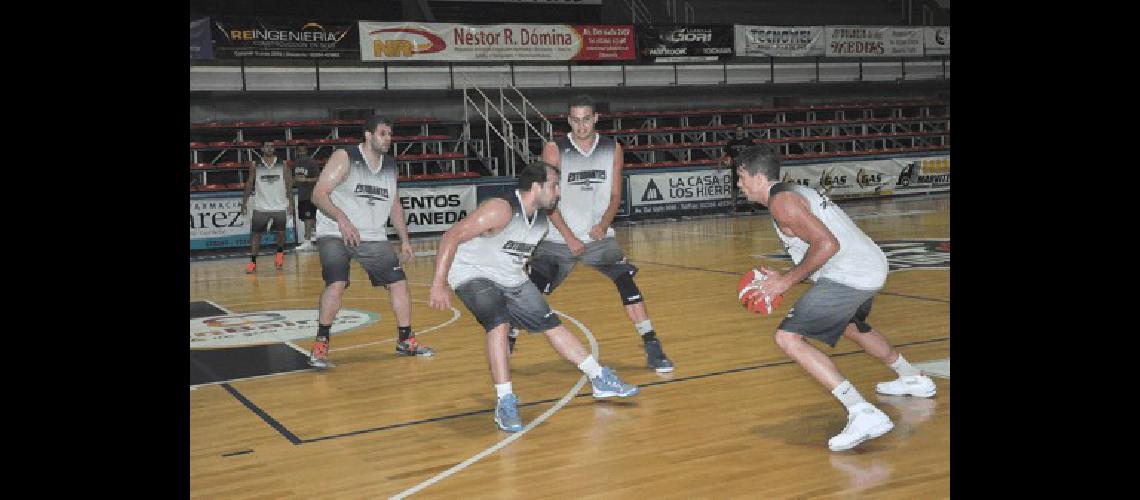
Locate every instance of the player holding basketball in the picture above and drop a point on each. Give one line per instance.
(848, 269)
(482, 256)
(355, 194)
(591, 192)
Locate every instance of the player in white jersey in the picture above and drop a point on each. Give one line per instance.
(272, 185)
(355, 195)
(591, 182)
(482, 257)
(848, 269)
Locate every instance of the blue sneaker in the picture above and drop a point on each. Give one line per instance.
(608, 385)
(507, 414)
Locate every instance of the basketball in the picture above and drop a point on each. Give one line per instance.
(750, 296)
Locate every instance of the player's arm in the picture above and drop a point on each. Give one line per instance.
(248, 185)
(335, 172)
(400, 223)
(288, 187)
(599, 231)
(791, 212)
(551, 156)
(490, 217)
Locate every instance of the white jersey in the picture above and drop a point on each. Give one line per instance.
(269, 188)
(586, 181)
(500, 257)
(860, 263)
(365, 196)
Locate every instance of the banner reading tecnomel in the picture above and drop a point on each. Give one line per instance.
(498, 42)
(873, 41)
(779, 41)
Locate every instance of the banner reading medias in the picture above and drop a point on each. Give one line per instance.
(672, 192)
(779, 41)
(260, 37)
(201, 43)
(435, 209)
(936, 39)
(218, 223)
(873, 41)
(500, 42)
(690, 43)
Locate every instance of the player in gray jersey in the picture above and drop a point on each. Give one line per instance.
(355, 195)
(591, 181)
(848, 269)
(482, 257)
(272, 187)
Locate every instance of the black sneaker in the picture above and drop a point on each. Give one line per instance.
(655, 357)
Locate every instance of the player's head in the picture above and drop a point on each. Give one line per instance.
(302, 151)
(267, 149)
(758, 168)
(542, 179)
(378, 134)
(740, 131)
(582, 117)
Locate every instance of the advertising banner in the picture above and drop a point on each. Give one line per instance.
(407, 41)
(779, 41)
(685, 43)
(936, 39)
(679, 191)
(217, 222)
(846, 179)
(201, 41)
(873, 41)
(924, 173)
(435, 209)
(284, 38)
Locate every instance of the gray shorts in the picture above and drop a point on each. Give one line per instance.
(260, 219)
(826, 309)
(494, 304)
(553, 261)
(376, 257)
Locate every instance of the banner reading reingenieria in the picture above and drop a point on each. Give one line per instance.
(380, 41)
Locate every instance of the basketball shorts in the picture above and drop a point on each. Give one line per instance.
(554, 260)
(376, 257)
(307, 209)
(493, 304)
(826, 309)
(258, 222)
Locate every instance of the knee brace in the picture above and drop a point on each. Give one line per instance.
(627, 288)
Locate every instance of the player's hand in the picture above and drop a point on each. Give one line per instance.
(576, 245)
(440, 297)
(775, 284)
(598, 232)
(406, 252)
(348, 231)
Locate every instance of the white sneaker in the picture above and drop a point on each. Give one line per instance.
(863, 422)
(914, 385)
(307, 246)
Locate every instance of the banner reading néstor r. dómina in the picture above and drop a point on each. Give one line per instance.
(408, 41)
(284, 38)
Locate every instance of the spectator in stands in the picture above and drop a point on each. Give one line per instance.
(591, 186)
(272, 185)
(305, 173)
(355, 195)
(733, 148)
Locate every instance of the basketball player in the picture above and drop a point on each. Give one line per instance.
(271, 203)
(848, 269)
(306, 171)
(590, 184)
(354, 196)
(482, 256)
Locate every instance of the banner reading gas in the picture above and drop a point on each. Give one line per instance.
(674, 192)
(779, 41)
(847, 179)
(435, 209)
(937, 40)
(873, 41)
(668, 44)
(499, 42)
(217, 223)
(284, 38)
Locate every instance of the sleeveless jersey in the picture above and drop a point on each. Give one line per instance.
(860, 263)
(500, 257)
(586, 181)
(269, 188)
(364, 196)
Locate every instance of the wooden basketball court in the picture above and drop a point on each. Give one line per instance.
(736, 419)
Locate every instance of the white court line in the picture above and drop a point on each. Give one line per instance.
(509, 439)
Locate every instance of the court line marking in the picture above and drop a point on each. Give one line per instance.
(517, 435)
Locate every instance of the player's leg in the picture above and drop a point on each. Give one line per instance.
(279, 219)
(334, 270)
(485, 300)
(384, 269)
(911, 381)
(257, 223)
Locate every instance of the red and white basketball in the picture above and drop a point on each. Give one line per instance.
(750, 296)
